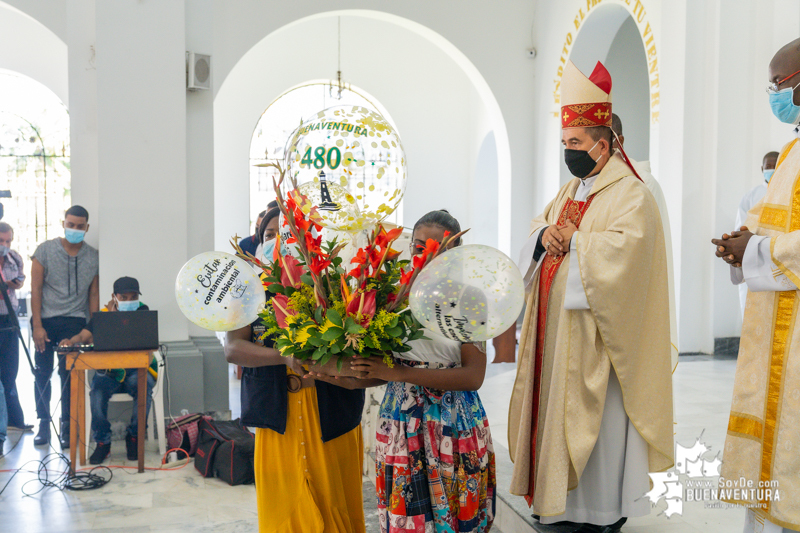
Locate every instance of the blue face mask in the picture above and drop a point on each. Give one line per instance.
(783, 107)
(768, 174)
(132, 305)
(4, 250)
(74, 236)
(269, 250)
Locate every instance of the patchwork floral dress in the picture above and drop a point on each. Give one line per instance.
(434, 455)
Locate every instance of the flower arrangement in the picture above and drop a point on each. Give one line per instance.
(319, 309)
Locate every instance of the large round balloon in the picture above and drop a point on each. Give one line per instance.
(349, 161)
(219, 291)
(469, 293)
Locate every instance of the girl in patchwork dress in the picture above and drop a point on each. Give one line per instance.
(434, 454)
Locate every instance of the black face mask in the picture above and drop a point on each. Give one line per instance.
(579, 162)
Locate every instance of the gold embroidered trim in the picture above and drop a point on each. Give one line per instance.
(780, 336)
(746, 425)
(775, 217)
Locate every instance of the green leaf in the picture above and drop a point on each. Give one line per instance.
(319, 352)
(394, 322)
(306, 279)
(353, 327)
(276, 289)
(394, 332)
(339, 365)
(334, 316)
(318, 314)
(315, 341)
(335, 349)
(369, 343)
(325, 358)
(332, 334)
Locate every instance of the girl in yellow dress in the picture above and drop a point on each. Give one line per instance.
(308, 457)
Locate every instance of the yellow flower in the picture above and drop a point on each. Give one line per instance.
(302, 335)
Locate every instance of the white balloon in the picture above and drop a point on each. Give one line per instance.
(469, 293)
(219, 291)
(349, 161)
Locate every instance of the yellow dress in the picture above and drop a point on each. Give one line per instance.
(305, 485)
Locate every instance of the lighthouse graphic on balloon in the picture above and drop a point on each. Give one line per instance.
(327, 204)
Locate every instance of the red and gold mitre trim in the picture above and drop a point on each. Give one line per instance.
(586, 115)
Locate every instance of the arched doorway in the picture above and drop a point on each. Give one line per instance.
(34, 161)
(610, 35)
(440, 103)
(279, 121)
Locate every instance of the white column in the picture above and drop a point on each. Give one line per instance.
(141, 129)
(200, 141)
(80, 15)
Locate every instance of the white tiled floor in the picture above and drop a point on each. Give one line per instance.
(703, 392)
(181, 500)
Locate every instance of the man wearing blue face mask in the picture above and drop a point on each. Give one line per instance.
(751, 199)
(106, 383)
(764, 254)
(64, 292)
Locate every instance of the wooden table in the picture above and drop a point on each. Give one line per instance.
(78, 364)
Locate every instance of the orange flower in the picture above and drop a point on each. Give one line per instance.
(405, 277)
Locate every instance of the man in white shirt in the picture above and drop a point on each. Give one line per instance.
(749, 200)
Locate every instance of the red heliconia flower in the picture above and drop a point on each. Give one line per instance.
(291, 272)
(392, 255)
(362, 303)
(280, 303)
(405, 277)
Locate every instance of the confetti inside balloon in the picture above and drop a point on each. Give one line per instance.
(219, 291)
(470, 293)
(349, 161)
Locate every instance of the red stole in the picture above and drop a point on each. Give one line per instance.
(574, 212)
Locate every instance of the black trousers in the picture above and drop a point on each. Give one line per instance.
(9, 366)
(58, 328)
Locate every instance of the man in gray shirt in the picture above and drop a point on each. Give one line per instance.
(64, 291)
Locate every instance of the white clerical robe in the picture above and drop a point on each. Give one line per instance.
(759, 273)
(749, 201)
(643, 169)
(619, 458)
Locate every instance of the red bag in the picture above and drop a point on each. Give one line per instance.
(182, 433)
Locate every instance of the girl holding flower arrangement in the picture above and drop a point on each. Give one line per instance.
(434, 457)
(308, 450)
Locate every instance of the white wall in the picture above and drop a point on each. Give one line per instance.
(32, 49)
(141, 127)
(434, 105)
(488, 39)
(627, 64)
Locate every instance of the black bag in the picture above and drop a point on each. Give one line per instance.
(225, 450)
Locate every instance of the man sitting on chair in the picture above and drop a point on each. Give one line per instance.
(106, 383)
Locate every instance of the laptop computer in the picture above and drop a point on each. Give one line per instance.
(132, 330)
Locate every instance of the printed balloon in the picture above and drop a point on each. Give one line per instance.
(469, 293)
(349, 161)
(219, 291)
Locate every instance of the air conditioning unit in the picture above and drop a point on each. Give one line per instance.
(198, 71)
